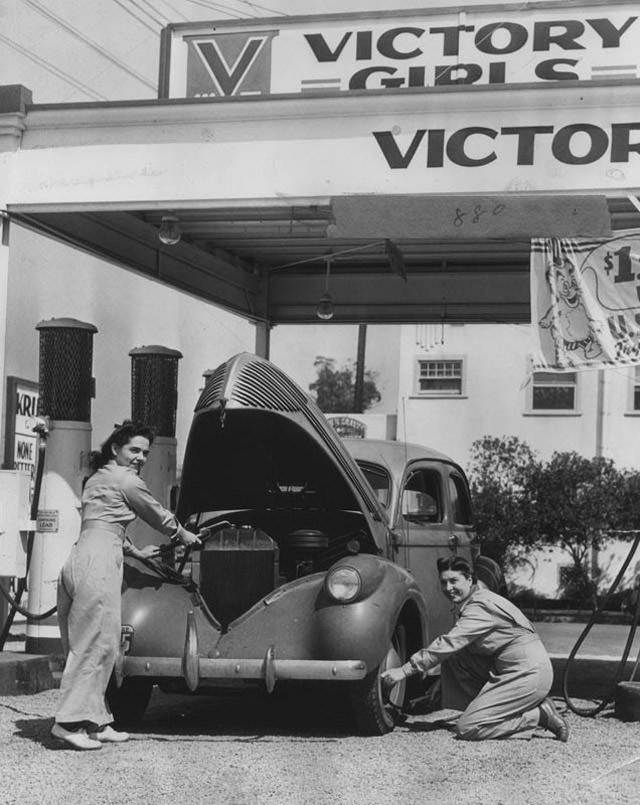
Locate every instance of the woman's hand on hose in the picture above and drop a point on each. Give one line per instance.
(188, 539)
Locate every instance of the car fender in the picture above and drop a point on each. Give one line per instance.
(155, 610)
(301, 621)
(364, 628)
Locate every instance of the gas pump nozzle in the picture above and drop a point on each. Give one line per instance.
(206, 533)
(39, 425)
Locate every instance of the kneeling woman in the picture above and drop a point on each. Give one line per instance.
(494, 666)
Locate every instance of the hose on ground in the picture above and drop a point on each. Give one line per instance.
(597, 708)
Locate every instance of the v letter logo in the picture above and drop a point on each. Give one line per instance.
(229, 67)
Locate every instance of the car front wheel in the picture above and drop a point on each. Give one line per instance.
(372, 713)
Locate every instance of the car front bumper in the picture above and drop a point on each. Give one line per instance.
(195, 669)
(242, 669)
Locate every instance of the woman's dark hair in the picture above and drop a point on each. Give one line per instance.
(121, 435)
(457, 564)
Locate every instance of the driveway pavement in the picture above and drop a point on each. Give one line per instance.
(604, 640)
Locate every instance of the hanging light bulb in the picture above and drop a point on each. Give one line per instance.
(325, 309)
(169, 232)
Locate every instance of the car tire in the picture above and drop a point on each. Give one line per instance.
(371, 713)
(129, 701)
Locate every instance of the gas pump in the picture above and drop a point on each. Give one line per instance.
(154, 397)
(66, 390)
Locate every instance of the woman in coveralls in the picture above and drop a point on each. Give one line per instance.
(494, 666)
(89, 585)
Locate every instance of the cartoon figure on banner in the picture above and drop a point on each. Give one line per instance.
(572, 328)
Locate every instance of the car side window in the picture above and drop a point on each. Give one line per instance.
(378, 480)
(422, 497)
(460, 502)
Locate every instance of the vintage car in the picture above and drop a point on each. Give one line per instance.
(321, 565)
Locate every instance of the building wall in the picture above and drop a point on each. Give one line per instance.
(541, 571)
(50, 280)
(495, 398)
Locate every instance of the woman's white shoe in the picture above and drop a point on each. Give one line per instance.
(109, 735)
(76, 738)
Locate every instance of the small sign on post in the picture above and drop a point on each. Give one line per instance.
(21, 442)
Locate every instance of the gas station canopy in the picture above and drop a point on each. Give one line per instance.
(270, 261)
(400, 161)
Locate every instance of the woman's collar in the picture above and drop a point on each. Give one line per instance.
(473, 591)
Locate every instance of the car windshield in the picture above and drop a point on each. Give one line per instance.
(379, 481)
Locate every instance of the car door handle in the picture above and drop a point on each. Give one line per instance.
(454, 542)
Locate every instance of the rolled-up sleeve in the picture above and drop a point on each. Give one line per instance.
(138, 497)
(474, 623)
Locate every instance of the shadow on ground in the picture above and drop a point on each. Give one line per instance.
(244, 715)
(38, 730)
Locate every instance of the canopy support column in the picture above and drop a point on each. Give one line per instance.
(263, 339)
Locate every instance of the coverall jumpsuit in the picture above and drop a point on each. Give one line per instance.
(89, 588)
(494, 668)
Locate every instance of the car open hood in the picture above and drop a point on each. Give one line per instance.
(258, 442)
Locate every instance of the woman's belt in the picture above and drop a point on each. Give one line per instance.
(103, 525)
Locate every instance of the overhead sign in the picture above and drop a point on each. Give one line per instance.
(400, 50)
(585, 302)
(469, 216)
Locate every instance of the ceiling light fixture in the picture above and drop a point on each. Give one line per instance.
(169, 232)
(325, 309)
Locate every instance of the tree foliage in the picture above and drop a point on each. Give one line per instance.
(570, 501)
(579, 500)
(500, 479)
(334, 389)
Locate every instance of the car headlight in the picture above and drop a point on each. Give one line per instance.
(343, 584)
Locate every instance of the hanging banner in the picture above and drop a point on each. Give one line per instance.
(585, 302)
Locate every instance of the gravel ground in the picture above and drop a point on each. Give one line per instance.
(250, 751)
(247, 750)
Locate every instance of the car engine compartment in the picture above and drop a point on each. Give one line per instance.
(263, 550)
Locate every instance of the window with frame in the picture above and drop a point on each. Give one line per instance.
(379, 480)
(422, 497)
(440, 377)
(554, 391)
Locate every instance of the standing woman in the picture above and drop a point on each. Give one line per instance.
(89, 585)
(494, 666)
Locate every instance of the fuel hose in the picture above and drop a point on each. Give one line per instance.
(597, 708)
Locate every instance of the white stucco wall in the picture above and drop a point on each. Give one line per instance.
(494, 402)
(541, 572)
(50, 280)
